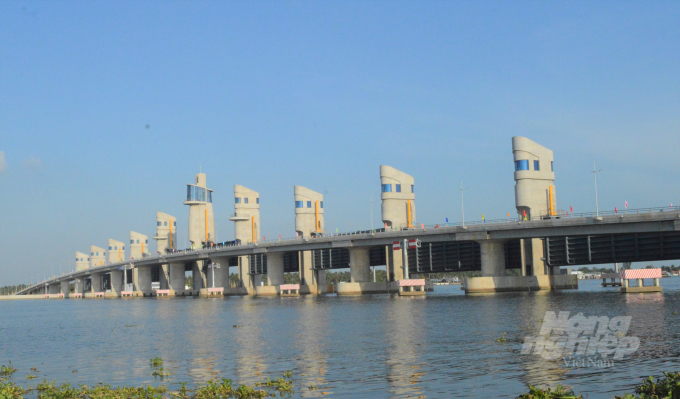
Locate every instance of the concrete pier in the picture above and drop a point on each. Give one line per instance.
(359, 265)
(493, 258)
(143, 282)
(275, 275)
(176, 279)
(116, 283)
(65, 288)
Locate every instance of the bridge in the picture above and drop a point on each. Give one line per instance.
(512, 254)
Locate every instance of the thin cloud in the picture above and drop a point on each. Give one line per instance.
(33, 164)
(3, 164)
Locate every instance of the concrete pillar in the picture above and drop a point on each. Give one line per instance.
(96, 282)
(54, 288)
(321, 279)
(215, 273)
(243, 273)
(165, 277)
(395, 264)
(275, 268)
(198, 277)
(306, 271)
(79, 286)
(493, 258)
(143, 282)
(639, 282)
(64, 288)
(624, 283)
(116, 281)
(656, 282)
(534, 256)
(176, 278)
(359, 265)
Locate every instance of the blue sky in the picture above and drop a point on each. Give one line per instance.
(274, 94)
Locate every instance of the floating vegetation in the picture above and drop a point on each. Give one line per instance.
(667, 386)
(237, 326)
(130, 325)
(559, 393)
(288, 374)
(7, 371)
(156, 362)
(502, 339)
(222, 389)
(31, 376)
(161, 373)
(311, 387)
(33, 369)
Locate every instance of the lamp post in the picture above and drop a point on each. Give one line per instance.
(597, 206)
(212, 267)
(462, 200)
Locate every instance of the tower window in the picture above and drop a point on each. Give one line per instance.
(237, 200)
(412, 188)
(132, 241)
(114, 248)
(257, 200)
(321, 204)
(137, 241)
(551, 166)
(158, 223)
(521, 165)
(146, 241)
(386, 188)
(165, 223)
(110, 248)
(398, 187)
(245, 200)
(536, 166)
(309, 204)
(174, 224)
(298, 204)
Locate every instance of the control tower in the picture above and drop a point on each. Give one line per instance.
(246, 220)
(201, 219)
(139, 245)
(534, 195)
(82, 261)
(309, 222)
(116, 251)
(97, 256)
(398, 198)
(534, 179)
(308, 212)
(166, 232)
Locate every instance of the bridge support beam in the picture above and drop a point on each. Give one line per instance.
(116, 283)
(54, 288)
(79, 286)
(275, 268)
(309, 278)
(164, 277)
(143, 283)
(359, 265)
(175, 278)
(95, 283)
(64, 288)
(245, 279)
(493, 258)
(534, 256)
(395, 264)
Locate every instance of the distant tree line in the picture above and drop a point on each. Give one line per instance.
(11, 289)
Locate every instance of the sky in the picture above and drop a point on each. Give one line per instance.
(108, 110)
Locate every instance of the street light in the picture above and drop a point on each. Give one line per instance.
(597, 206)
(462, 200)
(212, 267)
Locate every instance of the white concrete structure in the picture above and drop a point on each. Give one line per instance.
(166, 232)
(116, 251)
(246, 220)
(534, 194)
(82, 261)
(139, 245)
(398, 198)
(97, 256)
(308, 212)
(246, 215)
(201, 219)
(534, 179)
(309, 221)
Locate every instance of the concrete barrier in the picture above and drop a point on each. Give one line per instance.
(164, 293)
(290, 289)
(267, 290)
(367, 288)
(412, 287)
(640, 275)
(99, 294)
(519, 283)
(78, 295)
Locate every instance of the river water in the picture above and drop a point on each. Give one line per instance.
(378, 346)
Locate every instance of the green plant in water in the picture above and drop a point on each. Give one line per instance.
(667, 386)
(10, 390)
(161, 373)
(288, 374)
(311, 387)
(502, 339)
(156, 362)
(559, 393)
(31, 377)
(7, 371)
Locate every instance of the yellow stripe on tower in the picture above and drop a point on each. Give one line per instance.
(409, 213)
